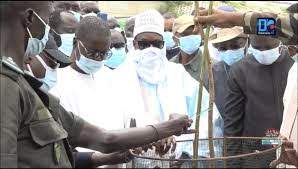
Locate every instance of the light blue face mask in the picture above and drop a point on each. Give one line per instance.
(232, 56)
(190, 44)
(117, 58)
(266, 57)
(89, 66)
(36, 46)
(168, 38)
(77, 15)
(66, 43)
(50, 79)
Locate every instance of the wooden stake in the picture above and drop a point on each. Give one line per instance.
(199, 103)
(204, 64)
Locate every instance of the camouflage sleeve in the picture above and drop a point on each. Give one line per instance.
(73, 124)
(286, 25)
(10, 111)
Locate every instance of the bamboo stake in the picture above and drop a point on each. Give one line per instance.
(197, 122)
(211, 99)
(210, 111)
(211, 91)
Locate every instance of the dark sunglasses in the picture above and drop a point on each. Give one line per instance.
(117, 45)
(146, 44)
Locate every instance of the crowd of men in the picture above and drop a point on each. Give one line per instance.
(77, 90)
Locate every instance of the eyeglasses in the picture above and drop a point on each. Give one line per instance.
(117, 45)
(146, 44)
(96, 54)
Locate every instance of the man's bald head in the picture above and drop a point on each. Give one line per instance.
(263, 42)
(88, 7)
(67, 5)
(92, 28)
(92, 36)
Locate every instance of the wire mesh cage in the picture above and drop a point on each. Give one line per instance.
(230, 152)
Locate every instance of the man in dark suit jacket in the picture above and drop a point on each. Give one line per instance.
(254, 100)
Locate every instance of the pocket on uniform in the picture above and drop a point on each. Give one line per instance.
(47, 131)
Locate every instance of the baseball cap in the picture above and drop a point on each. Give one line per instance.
(182, 23)
(51, 49)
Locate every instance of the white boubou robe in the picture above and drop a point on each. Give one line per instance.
(151, 104)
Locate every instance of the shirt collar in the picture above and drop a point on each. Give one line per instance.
(194, 64)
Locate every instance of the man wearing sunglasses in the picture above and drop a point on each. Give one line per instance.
(155, 87)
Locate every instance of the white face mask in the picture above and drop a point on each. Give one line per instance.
(266, 57)
(151, 65)
(50, 79)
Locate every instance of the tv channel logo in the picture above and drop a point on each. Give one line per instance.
(266, 26)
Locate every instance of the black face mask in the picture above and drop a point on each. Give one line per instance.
(172, 52)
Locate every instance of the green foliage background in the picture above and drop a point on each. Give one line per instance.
(172, 6)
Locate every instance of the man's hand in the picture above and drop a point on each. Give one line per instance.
(220, 18)
(183, 122)
(164, 145)
(143, 149)
(120, 157)
(288, 154)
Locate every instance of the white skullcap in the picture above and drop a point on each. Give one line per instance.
(149, 21)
